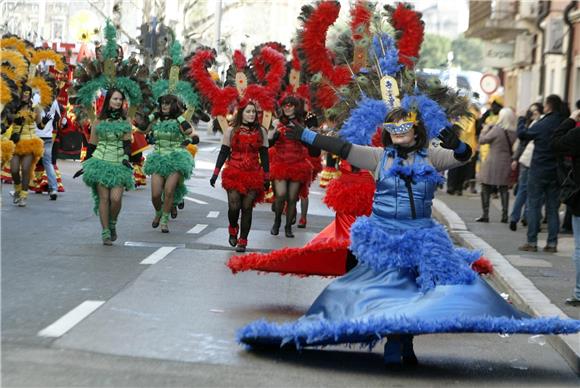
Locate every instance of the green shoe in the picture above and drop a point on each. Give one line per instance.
(106, 236)
(163, 222)
(113, 228)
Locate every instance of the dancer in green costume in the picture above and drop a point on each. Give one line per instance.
(107, 170)
(170, 164)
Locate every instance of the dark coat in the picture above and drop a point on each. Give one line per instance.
(566, 142)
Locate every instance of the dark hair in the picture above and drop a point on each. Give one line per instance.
(176, 107)
(299, 113)
(399, 114)
(538, 106)
(555, 103)
(578, 104)
(106, 111)
(238, 119)
(26, 88)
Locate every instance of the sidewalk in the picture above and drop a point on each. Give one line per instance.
(537, 283)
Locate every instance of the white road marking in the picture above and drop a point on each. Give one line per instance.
(197, 229)
(213, 214)
(158, 255)
(198, 201)
(70, 319)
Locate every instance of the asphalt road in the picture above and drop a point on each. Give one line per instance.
(163, 309)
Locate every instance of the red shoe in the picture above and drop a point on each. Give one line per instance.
(302, 223)
(233, 239)
(242, 244)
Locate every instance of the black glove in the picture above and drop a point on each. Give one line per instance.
(311, 120)
(185, 143)
(46, 119)
(150, 138)
(19, 120)
(266, 184)
(185, 125)
(294, 131)
(274, 139)
(212, 180)
(194, 139)
(449, 138)
(127, 164)
(78, 173)
(90, 149)
(15, 137)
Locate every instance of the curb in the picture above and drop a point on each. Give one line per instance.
(506, 277)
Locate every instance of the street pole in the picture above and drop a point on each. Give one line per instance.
(218, 25)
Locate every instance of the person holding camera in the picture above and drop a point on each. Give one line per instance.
(29, 148)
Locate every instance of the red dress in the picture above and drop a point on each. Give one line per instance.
(290, 162)
(243, 171)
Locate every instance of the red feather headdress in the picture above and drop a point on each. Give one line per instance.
(318, 57)
(294, 88)
(224, 99)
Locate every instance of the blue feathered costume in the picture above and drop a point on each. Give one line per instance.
(409, 279)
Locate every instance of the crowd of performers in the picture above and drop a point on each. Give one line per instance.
(388, 137)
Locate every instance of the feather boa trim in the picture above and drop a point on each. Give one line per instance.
(118, 128)
(369, 332)
(179, 161)
(244, 181)
(297, 172)
(435, 259)
(104, 173)
(34, 146)
(351, 193)
(7, 149)
(323, 258)
(363, 121)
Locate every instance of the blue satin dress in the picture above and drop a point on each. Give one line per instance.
(409, 279)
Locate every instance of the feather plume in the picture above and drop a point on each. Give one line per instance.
(409, 23)
(40, 55)
(221, 99)
(22, 46)
(14, 65)
(240, 61)
(110, 51)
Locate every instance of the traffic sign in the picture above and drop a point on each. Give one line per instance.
(489, 83)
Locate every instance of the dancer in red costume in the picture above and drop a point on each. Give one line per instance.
(291, 172)
(246, 175)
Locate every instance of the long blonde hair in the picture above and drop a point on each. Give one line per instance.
(507, 119)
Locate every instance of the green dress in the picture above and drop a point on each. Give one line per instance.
(169, 156)
(106, 167)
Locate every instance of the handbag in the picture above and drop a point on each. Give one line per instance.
(569, 190)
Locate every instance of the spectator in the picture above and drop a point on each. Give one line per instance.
(542, 176)
(566, 142)
(456, 177)
(52, 116)
(495, 170)
(522, 158)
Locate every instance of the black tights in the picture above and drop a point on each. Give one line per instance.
(245, 204)
(286, 192)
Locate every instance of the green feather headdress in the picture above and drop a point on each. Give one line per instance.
(169, 82)
(112, 73)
